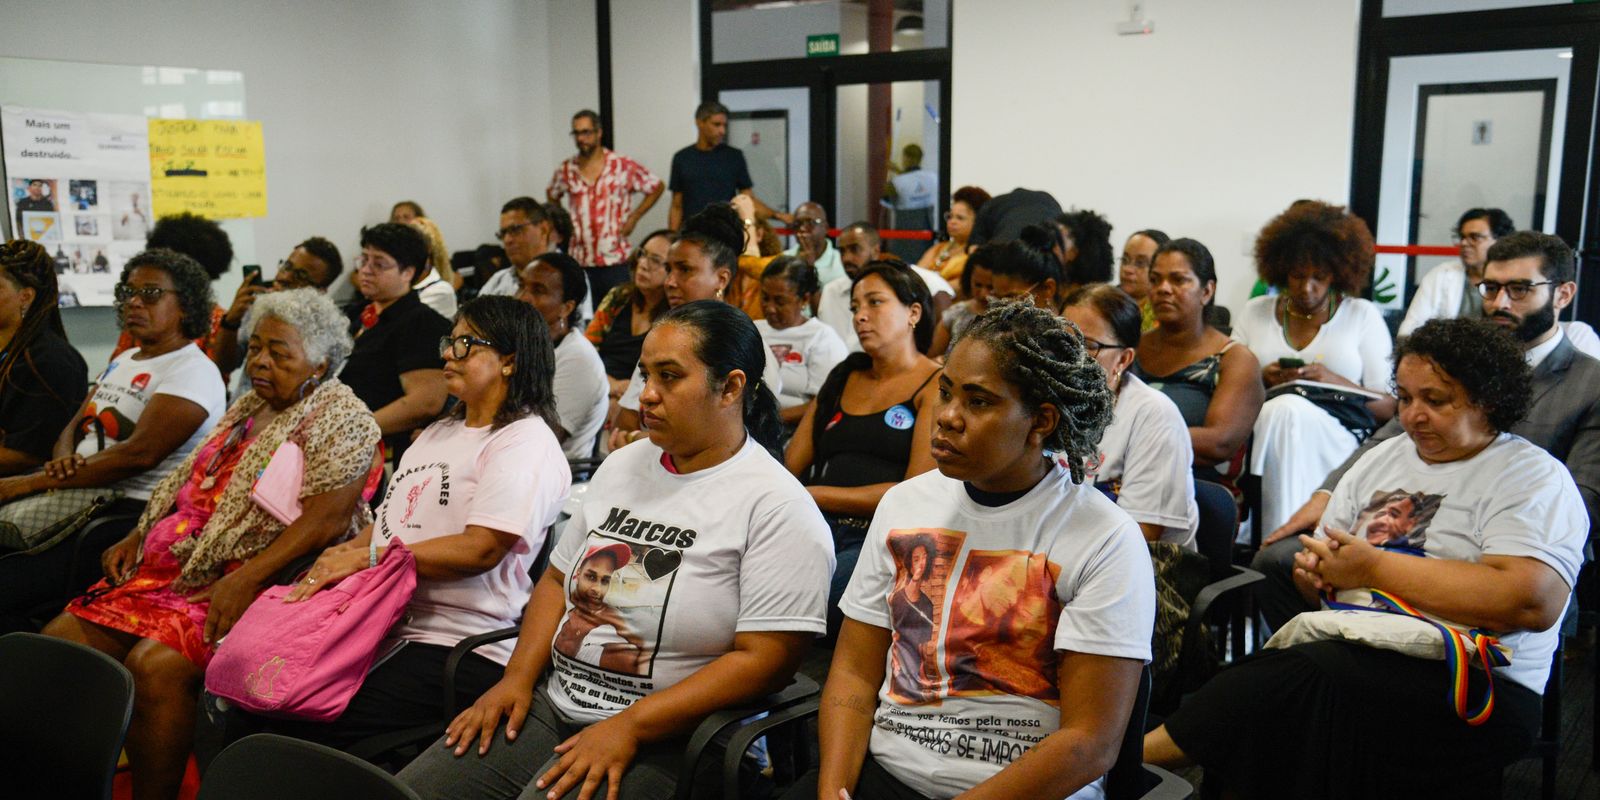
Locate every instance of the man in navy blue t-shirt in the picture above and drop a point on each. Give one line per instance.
(709, 171)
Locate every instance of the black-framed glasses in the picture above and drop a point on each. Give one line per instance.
(292, 276)
(122, 292)
(1519, 290)
(511, 229)
(1094, 346)
(460, 347)
(810, 222)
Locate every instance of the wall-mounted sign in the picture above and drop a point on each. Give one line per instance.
(822, 45)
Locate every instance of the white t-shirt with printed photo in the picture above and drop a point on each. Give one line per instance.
(663, 569)
(806, 353)
(1466, 510)
(1355, 343)
(582, 393)
(971, 680)
(1146, 452)
(127, 386)
(512, 480)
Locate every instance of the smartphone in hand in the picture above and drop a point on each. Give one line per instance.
(252, 275)
(1291, 363)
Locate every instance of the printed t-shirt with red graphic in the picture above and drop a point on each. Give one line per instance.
(126, 387)
(805, 353)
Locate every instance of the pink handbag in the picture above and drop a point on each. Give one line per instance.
(306, 660)
(277, 491)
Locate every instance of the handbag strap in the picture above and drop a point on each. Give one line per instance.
(1456, 658)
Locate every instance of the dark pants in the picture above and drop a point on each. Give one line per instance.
(874, 782)
(603, 279)
(1280, 600)
(34, 588)
(405, 691)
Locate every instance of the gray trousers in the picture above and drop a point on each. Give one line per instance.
(509, 769)
(1279, 599)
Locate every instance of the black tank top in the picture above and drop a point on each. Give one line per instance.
(863, 449)
(620, 348)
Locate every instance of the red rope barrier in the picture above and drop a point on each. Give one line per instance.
(1417, 250)
(882, 234)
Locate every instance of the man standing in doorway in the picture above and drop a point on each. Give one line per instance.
(599, 186)
(913, 193)
(524, 233)
(709, 171)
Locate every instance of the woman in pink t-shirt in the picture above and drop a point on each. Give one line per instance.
(472, 498)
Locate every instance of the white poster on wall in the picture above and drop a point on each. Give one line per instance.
(79, 184)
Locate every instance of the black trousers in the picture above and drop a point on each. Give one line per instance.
(874, 782)
(603, 279)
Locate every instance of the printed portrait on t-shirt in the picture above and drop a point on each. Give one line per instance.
(616, 593)
(1000, 636)
(1397, 518)
(922, 562)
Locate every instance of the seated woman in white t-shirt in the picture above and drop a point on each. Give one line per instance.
(1458, 519)
(701, 263)
(554, 284)
(1318, 256)
(806, 349)
(1144, 456)
(659, 607)
(472, 499)
(1001, 605)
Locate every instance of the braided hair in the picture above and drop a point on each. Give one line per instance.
(1044, 358)
(27, 265)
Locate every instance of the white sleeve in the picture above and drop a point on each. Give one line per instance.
(1157, 483)
(866, 598)
(1426, 304)
(827, 350)
(1110, 608)
(1583, 337)
(510, 496)
(1539, 515)
(581, 397)
(195, 379)
(1376, 348)
(564, 553)
(785, 570)
(630, 395)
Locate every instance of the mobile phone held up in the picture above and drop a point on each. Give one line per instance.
(1288, 362)
(252, 275)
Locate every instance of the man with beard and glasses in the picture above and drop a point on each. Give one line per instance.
(1528, 279)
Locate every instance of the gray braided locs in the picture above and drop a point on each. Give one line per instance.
(1044, 357)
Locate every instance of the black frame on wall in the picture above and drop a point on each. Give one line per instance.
(821, 77)
(1575, 26)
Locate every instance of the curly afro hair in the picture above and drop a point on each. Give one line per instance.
(190, 280)
(1091, 234)
(1041, 355)
(1317, 234)
(1483, 358)
(196, 237)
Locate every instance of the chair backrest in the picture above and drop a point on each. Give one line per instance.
(1219, 526)
(272, 767)
(1127, 780)
(64, 709)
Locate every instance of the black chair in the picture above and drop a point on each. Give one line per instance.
(64, 711)
(266, 766)
(1547, 744)
(1219, 525)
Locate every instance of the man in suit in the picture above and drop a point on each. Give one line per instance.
(1529, 278)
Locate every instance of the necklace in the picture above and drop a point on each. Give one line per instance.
(1288, 310)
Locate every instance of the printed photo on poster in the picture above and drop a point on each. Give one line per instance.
(618, 592)
(40, 226)
(85, 195)
(130, 211)
(1000, 638)
(1397, 518)
(922, 562)
(32, 195)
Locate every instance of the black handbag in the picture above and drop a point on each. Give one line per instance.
(1348, 408)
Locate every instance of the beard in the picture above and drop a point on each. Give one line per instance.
(1531, 326)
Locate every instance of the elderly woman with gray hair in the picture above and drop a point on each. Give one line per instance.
(204, 548)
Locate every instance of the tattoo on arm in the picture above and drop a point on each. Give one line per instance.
(856, 703)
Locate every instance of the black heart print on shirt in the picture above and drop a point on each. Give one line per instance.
(659, 563)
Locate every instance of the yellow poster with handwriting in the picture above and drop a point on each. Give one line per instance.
(215, 168)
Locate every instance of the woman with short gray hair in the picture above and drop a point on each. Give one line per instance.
(205, 547)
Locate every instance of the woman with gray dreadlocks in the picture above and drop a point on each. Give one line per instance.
(1001, 612)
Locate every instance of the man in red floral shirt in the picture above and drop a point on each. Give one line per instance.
(599, 186)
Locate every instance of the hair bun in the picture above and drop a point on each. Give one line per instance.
(718, 222)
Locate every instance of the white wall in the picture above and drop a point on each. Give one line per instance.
(1207, 128)
(363, 102)
(655, 80)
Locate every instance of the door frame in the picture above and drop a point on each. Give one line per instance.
(1575, 26)
(822, 77)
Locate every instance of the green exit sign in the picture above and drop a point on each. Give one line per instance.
(822, 45)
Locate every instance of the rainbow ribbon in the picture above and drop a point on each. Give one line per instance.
(1455, 655)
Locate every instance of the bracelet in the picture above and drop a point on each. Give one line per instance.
(372, 553)
(229, 326)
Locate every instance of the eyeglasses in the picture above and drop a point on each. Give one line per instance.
(512, 229)
(653, 259)
(460, 347)
(149, 294)
(1134, 261)
(365, 261)
(1491, 289)
(1475, 238)
(576, 133)
(810, 222)
(292, 276)
(1094, 346)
